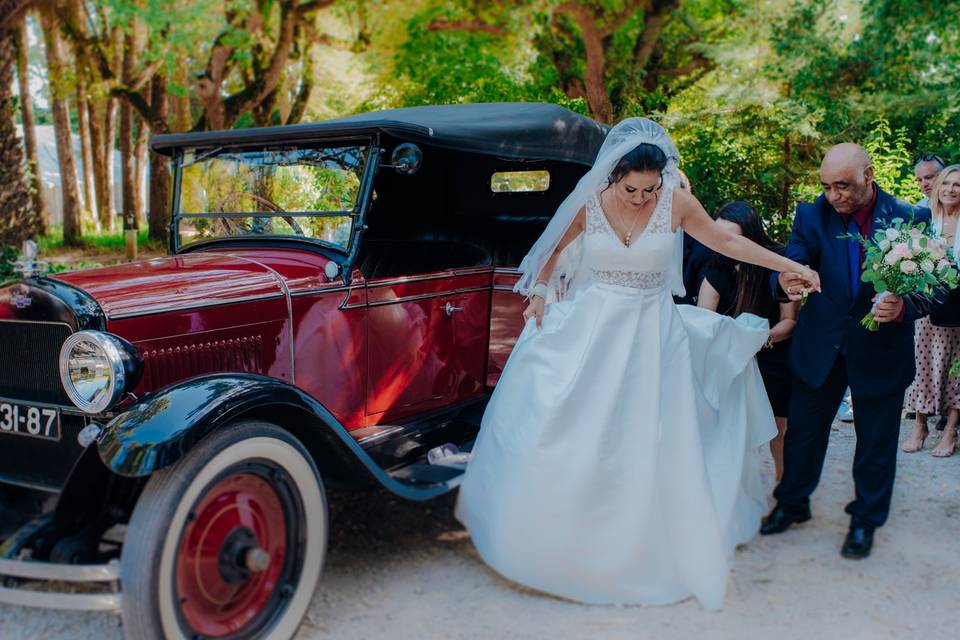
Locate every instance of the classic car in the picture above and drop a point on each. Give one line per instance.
(337, 302)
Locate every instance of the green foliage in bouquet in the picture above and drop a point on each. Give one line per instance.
(905, 259)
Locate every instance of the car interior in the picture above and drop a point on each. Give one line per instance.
(446, 215)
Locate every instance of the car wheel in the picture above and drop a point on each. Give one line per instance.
(228, 542)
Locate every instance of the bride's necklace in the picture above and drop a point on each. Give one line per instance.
(636, 218)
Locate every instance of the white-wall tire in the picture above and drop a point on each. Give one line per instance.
(153, 557)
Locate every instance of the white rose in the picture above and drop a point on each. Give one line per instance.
(908, 266)
(891, 258)
(884, 245)
(927, 266)
(892, 234)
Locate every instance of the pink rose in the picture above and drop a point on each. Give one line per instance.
(943, 265)
(902, 251)
(908, 266)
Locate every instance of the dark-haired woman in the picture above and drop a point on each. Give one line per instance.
(617, 461)
(732, 288)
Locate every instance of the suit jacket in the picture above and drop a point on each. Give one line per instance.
(878, 362)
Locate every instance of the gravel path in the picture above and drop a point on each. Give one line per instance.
(399, 571)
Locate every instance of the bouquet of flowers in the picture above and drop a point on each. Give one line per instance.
(905, 259)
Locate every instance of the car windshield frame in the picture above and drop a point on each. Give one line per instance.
(369, 148)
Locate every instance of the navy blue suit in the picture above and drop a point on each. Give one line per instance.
(831, 350)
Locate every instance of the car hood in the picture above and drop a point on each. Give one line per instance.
(175, 282)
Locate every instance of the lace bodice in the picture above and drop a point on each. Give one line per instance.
(642, 265)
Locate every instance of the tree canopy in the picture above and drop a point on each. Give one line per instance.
(753, 92)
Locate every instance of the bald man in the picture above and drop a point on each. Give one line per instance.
(831, 349)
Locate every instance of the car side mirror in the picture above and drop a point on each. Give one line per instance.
(406, 159)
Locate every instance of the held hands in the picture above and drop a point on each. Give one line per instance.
(798, 283)
(535, 309)
(887, 308)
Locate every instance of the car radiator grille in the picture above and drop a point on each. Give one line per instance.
(29, 361)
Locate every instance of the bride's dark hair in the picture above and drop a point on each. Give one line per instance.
(643, 157)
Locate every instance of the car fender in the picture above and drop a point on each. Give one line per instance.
(163, 426)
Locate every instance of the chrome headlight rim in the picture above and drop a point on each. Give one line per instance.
(111, 349)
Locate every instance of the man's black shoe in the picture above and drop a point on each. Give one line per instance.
(780, 520)
(858, 543)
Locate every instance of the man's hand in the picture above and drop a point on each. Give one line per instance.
(888, 309)
(794, 284)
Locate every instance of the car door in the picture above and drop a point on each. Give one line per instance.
(410, 344)
(428, 320)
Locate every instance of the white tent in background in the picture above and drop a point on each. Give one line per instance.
(50, 173)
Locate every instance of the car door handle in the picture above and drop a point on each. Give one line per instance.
(450, 309)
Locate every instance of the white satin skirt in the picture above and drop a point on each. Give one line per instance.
(618, 459)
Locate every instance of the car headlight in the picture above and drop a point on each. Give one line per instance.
(97, 368)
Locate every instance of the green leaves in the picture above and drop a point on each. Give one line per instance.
(892, 159)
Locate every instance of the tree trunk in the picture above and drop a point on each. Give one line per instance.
(111, 107)
(86, 151)
(69, 183)
(128, 173)
(140, 161)
(140, 164)
(159, 214)
(30, 130)
(18, 220)
(594, 79)
(99, 158)
(182, 120)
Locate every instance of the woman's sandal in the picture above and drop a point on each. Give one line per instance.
(911, 447)
(944, 452)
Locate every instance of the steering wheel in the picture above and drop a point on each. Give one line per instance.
(270, 205)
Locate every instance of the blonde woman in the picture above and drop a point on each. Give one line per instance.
(933, 391)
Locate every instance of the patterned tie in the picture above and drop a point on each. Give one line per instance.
(853, 255)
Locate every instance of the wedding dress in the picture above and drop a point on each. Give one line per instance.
(618, 459)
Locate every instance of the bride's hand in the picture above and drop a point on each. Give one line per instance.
(535, 309)
(800, 281)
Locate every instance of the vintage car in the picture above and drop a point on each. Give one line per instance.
(337, 301)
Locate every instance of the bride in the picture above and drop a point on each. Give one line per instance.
(617, 461)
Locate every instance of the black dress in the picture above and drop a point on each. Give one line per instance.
(722, 276)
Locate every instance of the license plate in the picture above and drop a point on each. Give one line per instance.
(28, 420)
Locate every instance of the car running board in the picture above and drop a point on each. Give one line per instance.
(420, 473)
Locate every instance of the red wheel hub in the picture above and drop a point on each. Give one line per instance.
(231, 555)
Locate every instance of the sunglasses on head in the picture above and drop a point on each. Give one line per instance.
(930, 157)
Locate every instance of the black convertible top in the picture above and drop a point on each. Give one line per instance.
(509, 129)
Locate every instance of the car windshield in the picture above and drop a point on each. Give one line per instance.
(303, 192)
